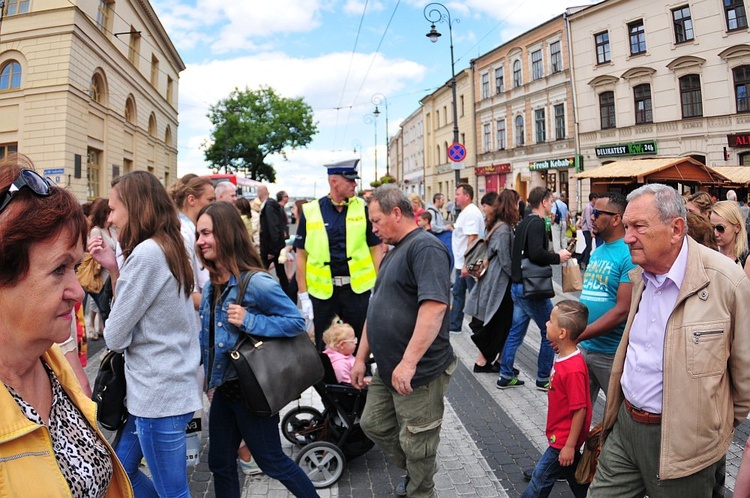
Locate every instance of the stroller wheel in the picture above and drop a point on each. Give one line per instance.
(303, 425)
(322, 462)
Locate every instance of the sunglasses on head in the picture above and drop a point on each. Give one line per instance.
(28, 178)
(596, 212)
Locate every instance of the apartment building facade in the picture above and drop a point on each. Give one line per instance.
(88, 90)
(662, 80)
(412, 177)
(437, 110)
(524, 113)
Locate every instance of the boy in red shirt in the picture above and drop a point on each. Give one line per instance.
(569, 403)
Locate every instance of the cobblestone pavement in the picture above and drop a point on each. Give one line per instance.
(489, 436)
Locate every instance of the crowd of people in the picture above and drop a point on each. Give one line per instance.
(657, 328)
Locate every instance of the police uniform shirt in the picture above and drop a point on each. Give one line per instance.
(335, 223)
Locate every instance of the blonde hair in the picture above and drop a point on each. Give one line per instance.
(730, 212)
(414, 198)
(337, 332)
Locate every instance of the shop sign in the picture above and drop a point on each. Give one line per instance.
(564, 163)
(492, 170)
(632, 149)
(739, 140)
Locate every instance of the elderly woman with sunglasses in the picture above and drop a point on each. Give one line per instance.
(49, 441)
(730, 233)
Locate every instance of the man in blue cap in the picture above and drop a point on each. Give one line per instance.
(337, 254)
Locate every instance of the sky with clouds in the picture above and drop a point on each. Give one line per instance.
(337, 55)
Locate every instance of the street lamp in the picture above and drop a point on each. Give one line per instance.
(378, 99)
(433, 14)
(357, 147)
(373, 118)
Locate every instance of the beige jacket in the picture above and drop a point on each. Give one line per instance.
(706, 366)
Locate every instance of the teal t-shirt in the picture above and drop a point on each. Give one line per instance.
(608, 267)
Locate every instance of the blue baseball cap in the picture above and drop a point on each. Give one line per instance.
(347, 169)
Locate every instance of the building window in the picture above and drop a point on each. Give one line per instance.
(607, 109)
(637, 37)
(555, 56)
(690, 96)
(154, 71)
(10, 75)
(168, 136)
(743, 159)
(437, 157)
(127, 166)
(93, 169)
(559, 121)
(500, 134)
(602, 47)
(134, 47)
(499, 81)
(487, 135)
(13, 7)
(485, 86)
(462, 105)
(683, 24)
(5, 149)
(517, 76)
(642, 95)
(537, 67)
(437, 119)
(152, 125)
(445, 113)
(734, 10)
(741, 84)
(540, 126)
(130, 110)
(519, 131)
(103, 14)
(96, 88)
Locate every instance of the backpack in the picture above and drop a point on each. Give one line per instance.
(558, 213)
(475, 256)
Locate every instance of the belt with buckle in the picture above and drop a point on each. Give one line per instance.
(642, 416)
(341, 281)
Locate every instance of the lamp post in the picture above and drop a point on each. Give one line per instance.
(433, 14)
(373, 118)
(378, 99)
(357, 147)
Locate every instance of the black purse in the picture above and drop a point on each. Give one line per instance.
(537, 280)
(273, 371)
(109, 391)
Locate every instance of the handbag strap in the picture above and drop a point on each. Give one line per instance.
(243, 283)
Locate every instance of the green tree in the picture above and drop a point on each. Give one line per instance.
(250, 125)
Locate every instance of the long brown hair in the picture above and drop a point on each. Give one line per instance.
(31, 219)
(504, 209)
(152, 215)
(99, 213)
(234, 251)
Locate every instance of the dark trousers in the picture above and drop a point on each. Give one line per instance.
(280, 274)
(587, 251)
(490, 338)
(349, 306)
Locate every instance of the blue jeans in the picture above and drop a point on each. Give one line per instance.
(229, 423)
(524, 310)
(548, 470)
(162, 442)
(460, 287)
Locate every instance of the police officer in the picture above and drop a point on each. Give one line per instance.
(337, 254)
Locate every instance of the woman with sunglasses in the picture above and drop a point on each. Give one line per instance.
(153, 322)
(50, 444)
(226, 251)
(730, 233)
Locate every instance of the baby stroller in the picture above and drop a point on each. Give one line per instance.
(330, 438)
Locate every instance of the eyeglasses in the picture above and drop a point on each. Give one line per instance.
(720, 228)
(28, 178)
(596, 212)
(353, 341)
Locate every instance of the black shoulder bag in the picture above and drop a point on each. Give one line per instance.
(537, 280)
(109, 391)
(273, 371)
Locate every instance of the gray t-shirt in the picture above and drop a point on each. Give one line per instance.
(417, 269)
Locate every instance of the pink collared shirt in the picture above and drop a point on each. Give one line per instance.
(642, 377)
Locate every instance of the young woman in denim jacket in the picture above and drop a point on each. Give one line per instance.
(226, 251)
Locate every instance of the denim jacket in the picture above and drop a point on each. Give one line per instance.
(270, 313)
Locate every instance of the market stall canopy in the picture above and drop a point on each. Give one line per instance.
(684, 170)
(738, 175)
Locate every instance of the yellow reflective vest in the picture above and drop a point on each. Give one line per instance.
(318, 269)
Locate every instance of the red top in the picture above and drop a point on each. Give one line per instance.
(568, 392)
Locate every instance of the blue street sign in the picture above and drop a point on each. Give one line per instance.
(456, 152)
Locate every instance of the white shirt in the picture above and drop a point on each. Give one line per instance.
(470, 222)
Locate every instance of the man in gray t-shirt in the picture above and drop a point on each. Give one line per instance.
(407, 332)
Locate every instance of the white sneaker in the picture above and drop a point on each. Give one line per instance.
(249, 468)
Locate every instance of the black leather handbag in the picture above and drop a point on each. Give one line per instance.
(109, 391)
(537, 280)
(273, 371)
